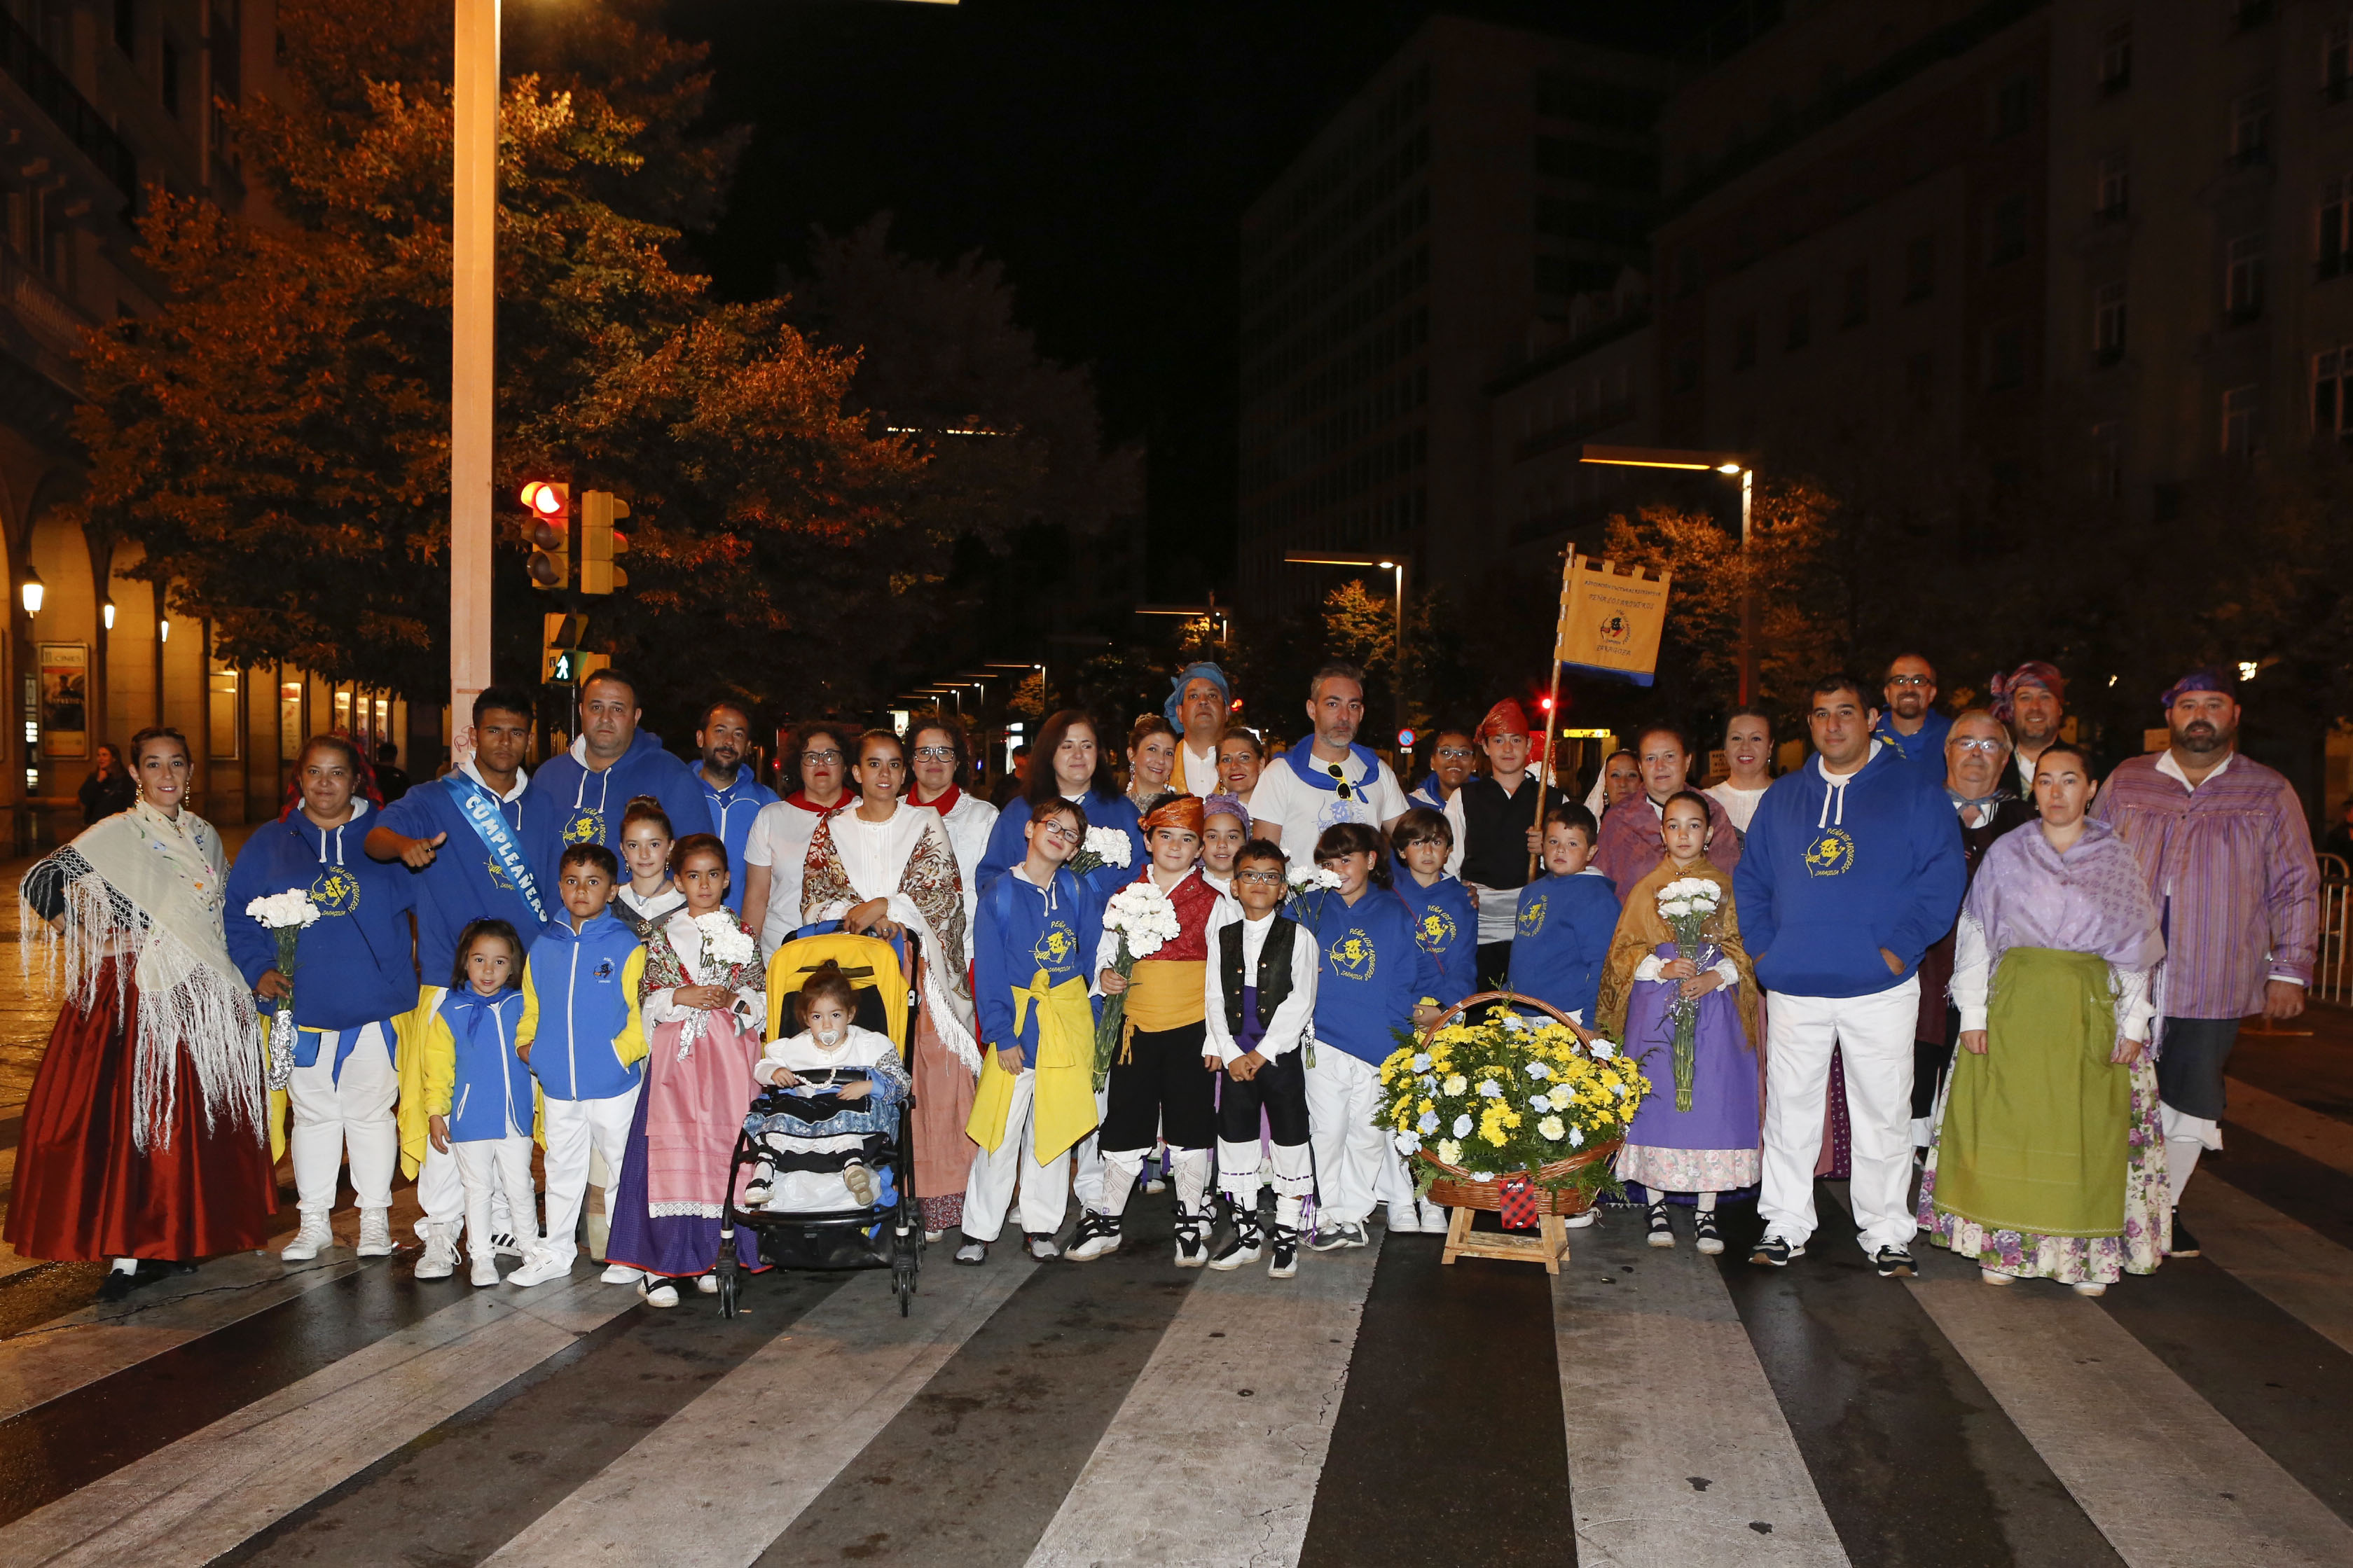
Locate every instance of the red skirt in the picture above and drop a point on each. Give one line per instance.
(84, 1192)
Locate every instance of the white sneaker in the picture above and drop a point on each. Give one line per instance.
(658, 1292)
(1404, 1220)
(1435, 1219)
(375, 1233)
(707, 1284)
(315, 1235)
(485, 1269)
(440, 1259)
(621, 1274)
(541, 1267)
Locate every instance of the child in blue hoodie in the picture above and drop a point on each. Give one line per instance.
(353, 977)
(1567, 918)
(1374, 981)
(1446, 923)
(613, 763)
(477, 1092)
(583, 1036)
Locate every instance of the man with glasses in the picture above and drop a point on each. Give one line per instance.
(1327, 778)
(1910, 721)
(1977, 771)
(734, 795)
(1495, 832)
(816, 762)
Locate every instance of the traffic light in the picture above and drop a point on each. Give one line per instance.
(548, 529)
(600, 542)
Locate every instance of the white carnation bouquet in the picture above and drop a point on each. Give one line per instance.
(1687, 904)
(1103, 846)
(285, 916)
(725, 944)
(1145, 922)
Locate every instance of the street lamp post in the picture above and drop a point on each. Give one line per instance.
(1386, 563)
(473, 306)
(1730, 465)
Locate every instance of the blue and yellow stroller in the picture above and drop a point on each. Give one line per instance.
(891, 1234)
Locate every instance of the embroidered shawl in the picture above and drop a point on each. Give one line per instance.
(1640, 929)
(928, 895)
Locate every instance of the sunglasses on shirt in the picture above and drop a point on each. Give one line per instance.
(1334, 769)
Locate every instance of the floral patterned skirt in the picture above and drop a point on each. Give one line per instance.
(2072, 1259)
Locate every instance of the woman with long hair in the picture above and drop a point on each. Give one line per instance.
(1068, 763)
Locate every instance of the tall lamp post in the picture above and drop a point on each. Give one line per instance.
(473, 306)
(1386, 563)
(1731, 465)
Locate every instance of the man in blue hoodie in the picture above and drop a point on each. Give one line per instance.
(1852, 868)
(352, 976)
(1910, 721)
(611, 764)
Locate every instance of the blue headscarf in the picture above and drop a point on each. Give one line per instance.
(1174, 707)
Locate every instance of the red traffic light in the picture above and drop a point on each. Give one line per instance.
(1545, 703)
(547, 499)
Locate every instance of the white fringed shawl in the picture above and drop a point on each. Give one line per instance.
(150, 888)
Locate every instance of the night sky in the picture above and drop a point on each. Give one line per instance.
(1102, 150)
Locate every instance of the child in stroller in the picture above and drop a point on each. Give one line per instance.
(827, 1124)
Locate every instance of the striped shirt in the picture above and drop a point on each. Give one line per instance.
(2231, 866)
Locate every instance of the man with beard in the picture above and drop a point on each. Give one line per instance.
(1326, 779)
(2229, 856)
(1197, 711)
(2033, 700)
(1910, 721)
(736, 796)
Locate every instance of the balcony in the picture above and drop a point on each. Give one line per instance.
(55, 95)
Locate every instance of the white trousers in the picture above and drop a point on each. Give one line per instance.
(1874, 1034)
(1243, 1169)
(1087, 1161)
(441, 1195)
(496, 1172)
(1045, 1188)
(1123, 1167)
(1356, 1166)
(328, 1115)
(574, 1126)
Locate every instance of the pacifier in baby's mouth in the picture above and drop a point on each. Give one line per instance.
(829, 1039)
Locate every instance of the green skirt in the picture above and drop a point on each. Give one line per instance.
(2035, 1132)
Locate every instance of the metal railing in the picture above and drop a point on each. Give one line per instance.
(2332, 965)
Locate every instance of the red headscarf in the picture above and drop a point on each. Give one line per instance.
(1506, 718)
(1183, 814)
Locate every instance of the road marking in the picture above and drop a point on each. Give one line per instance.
(2318, 1138)
(2294, 1267)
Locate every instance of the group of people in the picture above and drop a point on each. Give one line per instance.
(1936, 935)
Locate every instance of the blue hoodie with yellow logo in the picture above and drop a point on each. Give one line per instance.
(1447, 926)
(353, 965)
(589, 801)
(1021, 929)
(1373, 971)
(1562, 940)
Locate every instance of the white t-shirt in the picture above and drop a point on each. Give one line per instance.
(801, 1056)
(779, 840)
(1200, 772)
(1739, 805)
(1302, 811)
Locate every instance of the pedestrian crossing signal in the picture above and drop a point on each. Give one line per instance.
(600, 542)
(569, 666)
(547, 529)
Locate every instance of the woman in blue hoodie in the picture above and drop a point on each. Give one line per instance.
(354, 976)
(1077, 770)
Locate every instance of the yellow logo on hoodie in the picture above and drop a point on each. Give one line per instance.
(586, 826)
(1831, 854)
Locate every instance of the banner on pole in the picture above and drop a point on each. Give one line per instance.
(1610, 621)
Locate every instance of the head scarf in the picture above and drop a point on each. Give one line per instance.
(1506, 718)
(1184, 813)
(2033, 672)
(1174, 709)
(2199, 681)
(1226, 805)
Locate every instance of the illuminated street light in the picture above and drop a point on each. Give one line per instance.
(106, 612)
(1731, 465)
(32, 591)
(1349, 558)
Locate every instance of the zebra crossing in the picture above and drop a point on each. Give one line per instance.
(1645, 1408)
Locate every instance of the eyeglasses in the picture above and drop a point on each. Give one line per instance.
(1260, 878)
(1910, 680)
(1986, 744)
(1454, 754)
(1059, 833)
(1334, 769)
(821, 759)
(936, 754)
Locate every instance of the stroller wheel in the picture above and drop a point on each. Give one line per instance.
(730, 1275)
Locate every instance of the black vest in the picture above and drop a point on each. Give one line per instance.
(1274, 970)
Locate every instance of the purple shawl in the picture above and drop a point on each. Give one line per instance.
(2095, 899)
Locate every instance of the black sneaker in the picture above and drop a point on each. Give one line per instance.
(2183, 1244)
(1338, 1235)
(1710, 1240)
(1894, 1263)
(1776, 1253)
(1286, 1253)
(1663, 1233)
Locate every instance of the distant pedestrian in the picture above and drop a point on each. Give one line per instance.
(1015, 779)
(2339, 841)
(2228, 858)
(391, 778)
(107, 789)
(1853, 869)
(1910, 721)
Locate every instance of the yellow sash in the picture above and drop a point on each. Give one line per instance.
(1165, 993)
(1064, 1104)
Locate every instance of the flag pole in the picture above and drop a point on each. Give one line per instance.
(1552, 702)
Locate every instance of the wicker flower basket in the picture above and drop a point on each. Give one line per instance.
(1455, 1187)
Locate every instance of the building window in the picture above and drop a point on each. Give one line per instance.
(126, 26)
(2013, 107)
(2005, 358)
(2116, 58)
(2332, 393)
(2334, 228)
(1854, 296)
(2336, 60)
(223, 727)
(169, 70)
(2239, 422)
(1920, 380)
(2006, 231)
(2108, 458)
(1920, 268)
(2112, 189)
(2107, 323)
(2242, 278)
(1799, 330)
(2250, 127)
(1744, 344)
